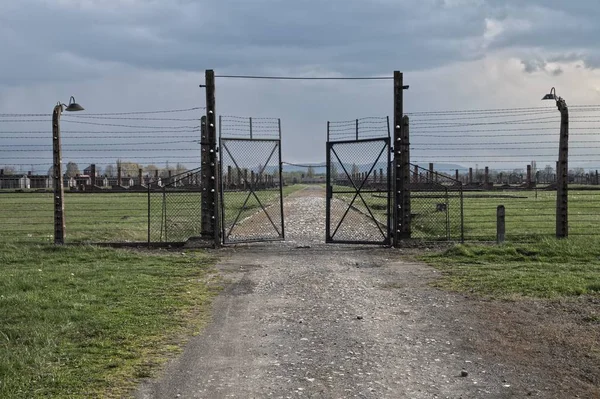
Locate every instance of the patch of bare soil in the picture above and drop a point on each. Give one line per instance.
(555, 344)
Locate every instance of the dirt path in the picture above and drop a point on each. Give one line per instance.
(345, 322)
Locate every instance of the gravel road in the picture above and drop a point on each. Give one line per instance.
(302, 319)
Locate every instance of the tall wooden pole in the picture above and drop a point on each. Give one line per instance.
(562, 173)
(401, 165)
(210, 165)
(59, 192)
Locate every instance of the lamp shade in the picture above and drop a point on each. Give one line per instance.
(73, 106)
(549, 97)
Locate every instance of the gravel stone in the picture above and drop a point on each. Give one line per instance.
(285, 327)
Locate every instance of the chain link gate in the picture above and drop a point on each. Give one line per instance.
(436, 206)
(358, 182)
(174, 207)
(251, 184)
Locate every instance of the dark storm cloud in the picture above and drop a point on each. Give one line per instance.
(187, 35)
(76, 39)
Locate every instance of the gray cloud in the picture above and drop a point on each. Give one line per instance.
(150, 54)
(561, 31)
(50, 40)
(192, 35)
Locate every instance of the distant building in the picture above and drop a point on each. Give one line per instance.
(88, 171)
(23, 182)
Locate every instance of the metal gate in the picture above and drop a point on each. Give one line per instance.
(174, 207)
(251, 184)
(436, 203)
(358, 183)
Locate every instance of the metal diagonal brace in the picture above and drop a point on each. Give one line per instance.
(252, 192)
(358, 192)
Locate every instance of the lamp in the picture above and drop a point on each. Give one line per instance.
(73, 106)
(59, 207)
(562, 167)
(551, 95)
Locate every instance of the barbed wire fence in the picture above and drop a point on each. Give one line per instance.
(508, 157)
(115, 157)
(518, 147)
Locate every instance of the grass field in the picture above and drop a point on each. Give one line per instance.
(548, 268)
(530, 214)
(84, 322)
(116, 217)
(121, 217)
(89, 217)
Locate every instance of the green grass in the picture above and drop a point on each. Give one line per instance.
(529, 214)
(122, 217)
(117, 217)
(89, 217)
(82, 322)
(547, 268)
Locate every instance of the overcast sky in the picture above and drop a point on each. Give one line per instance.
(138, 55)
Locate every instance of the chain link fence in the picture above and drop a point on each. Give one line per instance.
(436, 206)
(358, 181)
(251, 184)
(174, 208)
(509, 157)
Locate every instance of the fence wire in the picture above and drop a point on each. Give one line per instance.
(108, 161)
(251, 183)
(508, 157)
(436, 206)
(174, 209)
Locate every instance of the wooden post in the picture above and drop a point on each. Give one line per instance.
(487, 177)
(470, 175)
(405, 228)
(210, 165)
(59, 192)
(431, 175)
(398, 180)
(528, 175)
(500, 224)
(93, 176)
(119, 170)
(562, 183)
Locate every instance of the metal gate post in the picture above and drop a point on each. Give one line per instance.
(210, 191)
(281, 183)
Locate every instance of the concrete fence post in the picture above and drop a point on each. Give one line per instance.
(500, 224)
